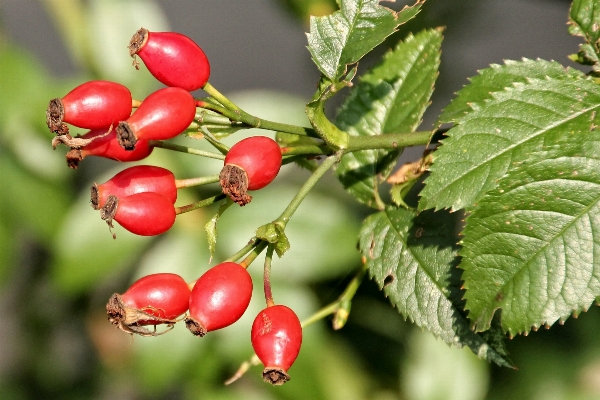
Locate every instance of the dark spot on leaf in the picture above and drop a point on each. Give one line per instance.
(499, 296)
(388, 279)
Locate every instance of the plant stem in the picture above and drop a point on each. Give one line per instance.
(199, 204)
(267, 277)
(203, 180)
(184, 149)
(306, 188)
(237, 114)
(251, 244)
(260, 246)
(307, 150)
(388, 141)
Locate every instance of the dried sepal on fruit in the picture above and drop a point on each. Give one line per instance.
(151, 300)
(172, 58)
(276, 339)
(219, 298)
(91, 105)
(250, 164)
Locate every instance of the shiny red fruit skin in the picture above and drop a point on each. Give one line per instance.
(97, 104)
(145, 214)
(164, 114)
(163, 295)
(276, 337)
(107, 146)
(259, 156)
(175, 60)
(221, 296)
(138, 179)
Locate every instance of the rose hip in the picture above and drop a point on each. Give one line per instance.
(219, 298)
(276, 340)
(92, 105)
(137, 179)
(172, 58)
(151, 300)
(250, 164)
(164, 114)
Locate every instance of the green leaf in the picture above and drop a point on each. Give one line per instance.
(584, 20)
(390, 98)
(211, 228)
(345, 36)
(531, 247)
(504, 131)
(497, 78)
(413, 259)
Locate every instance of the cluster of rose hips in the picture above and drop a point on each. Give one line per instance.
(142, 198)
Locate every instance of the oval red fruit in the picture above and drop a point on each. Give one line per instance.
(276, 340)
(250, 164)
(136, 179)
(172, 58)
(219, 298)
(164, 114)
(145, 214)
(92, 105)
(151, 300)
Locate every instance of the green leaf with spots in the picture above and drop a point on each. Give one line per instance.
(390, 98)
(531, 247)
(504, 131)
(412, 257)
(344, 37)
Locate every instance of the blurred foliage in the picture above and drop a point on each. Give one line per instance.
(59, 264)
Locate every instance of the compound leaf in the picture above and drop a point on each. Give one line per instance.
(345, 36)
(531, 247)
(391, 97)
(413, 259)
(503, 131)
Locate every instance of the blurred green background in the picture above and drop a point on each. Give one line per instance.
(59, 264)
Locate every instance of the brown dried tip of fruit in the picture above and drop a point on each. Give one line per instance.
(54, 117)
(138, 41)
(125, 136)
(129, 319)
(275, 376)
(74, 156)
(195, 327)
(234, 182)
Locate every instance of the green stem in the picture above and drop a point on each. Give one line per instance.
(267, 277)
(306, 188)
(244, 250)
(199, 204)
(184, 149)
(260, 246)
(235, 113)
(307, 150)
(388, 141)
(203, 180)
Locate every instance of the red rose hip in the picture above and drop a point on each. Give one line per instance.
(250, 164)
(92, 105)
(219, 298)
(172, 58)
(137, 179)
(164, 114)
(145, 214)
(151, 300)
(276, 340)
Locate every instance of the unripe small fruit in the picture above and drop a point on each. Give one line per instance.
(106, 145)
(276, 340)
(250, 164)
(136, 179)
(164, 114)
(219, 298)
(172, 58)
(151, 300)
(92, 105)
(145, 214)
